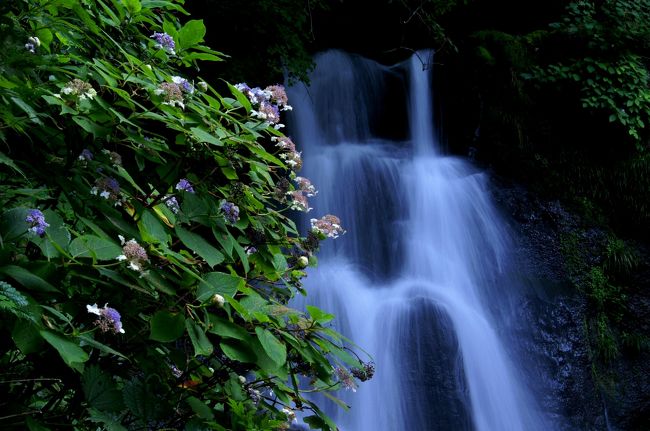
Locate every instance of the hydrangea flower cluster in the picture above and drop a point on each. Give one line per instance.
(37, 222)
(171, 93)
(364, 373)
(134, 253)
(109, 318)
(299, 201)
(329, 225)
(291, 415)
(164, 41)
(306, 186)
(230, 211)
(183, 83)
(172, 204)
(290, 156)
(32, 43)
(86, 155)
(82, 90)
(108, 188)
(184, 185)
(114, 157)
(267, 103)
(346, 378)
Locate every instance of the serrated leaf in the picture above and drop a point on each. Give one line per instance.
(165, 326)
(10, 297)
(276, 350)
(200, 246)
(140, 398)
(109, 421)
(100, 390)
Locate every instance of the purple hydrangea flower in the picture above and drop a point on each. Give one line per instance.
(183, 83)
(172, 204)
(231, 211)
(164, 41)
(109, 318)
(37, 221)
(185, 185)
(86, 155)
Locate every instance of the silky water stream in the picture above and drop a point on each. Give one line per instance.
(420, 279)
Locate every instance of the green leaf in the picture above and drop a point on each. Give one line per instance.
(218, 282)
(73, 355)
(103, 347)
(4, 160)
(202, 56)
(10, 297)
(110, 422)
(151, 229)
(133, 6)
(264, 361)
(200, 246)
(31, 113)
(91, 127)
(94, 247)
(202, 136)
(200, 408)
(140, 398)
(318, 315)
(191, 33)
(166, 326)
(27, 337)
(56, 237)
(27, 278)
(202, 346)
(13, 224)
(276, 350)
(100, 390)
(227, 329)
(34, 425)
(238, 351)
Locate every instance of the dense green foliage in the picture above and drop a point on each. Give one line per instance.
(146, 258)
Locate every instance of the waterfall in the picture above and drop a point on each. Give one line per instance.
(420, 280)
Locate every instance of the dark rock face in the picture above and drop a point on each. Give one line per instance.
(432, 370)
(559, 340)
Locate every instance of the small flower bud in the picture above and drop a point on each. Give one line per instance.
(303, 261)
(218, 300)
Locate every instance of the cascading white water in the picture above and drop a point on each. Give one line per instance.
(417, 278)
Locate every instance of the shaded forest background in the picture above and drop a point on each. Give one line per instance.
(553, 94)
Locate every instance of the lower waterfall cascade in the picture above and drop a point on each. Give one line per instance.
(422, 278)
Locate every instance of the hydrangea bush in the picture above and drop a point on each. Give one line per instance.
(147, 254)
